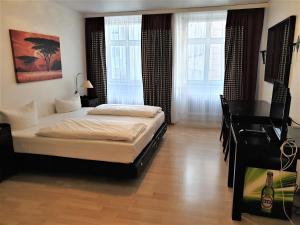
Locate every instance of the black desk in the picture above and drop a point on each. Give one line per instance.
(257, 111)
(236, 140)
(257, 152)
(251, 111)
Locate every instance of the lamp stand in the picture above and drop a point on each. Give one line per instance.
(76, 82)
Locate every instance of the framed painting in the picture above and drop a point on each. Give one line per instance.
(36, 56)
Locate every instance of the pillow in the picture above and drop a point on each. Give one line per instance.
(68, 105)
(21, 118)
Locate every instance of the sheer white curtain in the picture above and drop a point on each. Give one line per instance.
(198, 67)
(123, 54)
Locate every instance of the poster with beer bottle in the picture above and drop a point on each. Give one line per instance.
(265, 190)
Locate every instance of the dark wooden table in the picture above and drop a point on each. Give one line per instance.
(258, 152)
(8, 164)
(249, 112)
(257, 111)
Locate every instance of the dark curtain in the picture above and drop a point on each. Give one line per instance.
(242, 42)
(95, 57)
(157, 61)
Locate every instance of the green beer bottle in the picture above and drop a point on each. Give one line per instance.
(267, 194)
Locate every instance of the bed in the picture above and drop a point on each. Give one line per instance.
(113, 158)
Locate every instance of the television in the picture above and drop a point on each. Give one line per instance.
(279, 51)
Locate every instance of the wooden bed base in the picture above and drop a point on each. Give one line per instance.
(37, 162)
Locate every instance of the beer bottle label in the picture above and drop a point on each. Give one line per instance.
(267, 202)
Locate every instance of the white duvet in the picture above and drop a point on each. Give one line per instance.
(93, 130)
(126, 110)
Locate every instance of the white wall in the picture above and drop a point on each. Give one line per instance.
(294, 83)
(43, 17)
(278, 11)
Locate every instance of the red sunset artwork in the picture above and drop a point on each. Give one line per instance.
(36, 56)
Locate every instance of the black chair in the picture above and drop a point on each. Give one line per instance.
(280, 109)
(279, 93)
(223, 122)
(225, 130)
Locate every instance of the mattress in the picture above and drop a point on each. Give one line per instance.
(25, 141)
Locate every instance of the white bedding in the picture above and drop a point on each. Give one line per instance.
(25, 141)
(125, 110)
(93, 129)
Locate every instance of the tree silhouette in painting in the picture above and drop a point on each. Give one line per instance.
(27, 61)
(45, 47)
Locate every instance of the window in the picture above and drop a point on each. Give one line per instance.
(123, 50)
(205, 41)
(199, 66)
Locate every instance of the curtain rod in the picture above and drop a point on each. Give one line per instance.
(179, 10)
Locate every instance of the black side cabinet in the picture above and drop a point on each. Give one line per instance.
(7, 158)
(87, 101)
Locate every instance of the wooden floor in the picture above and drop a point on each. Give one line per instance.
(185, 184)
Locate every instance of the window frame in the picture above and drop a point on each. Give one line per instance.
(127, 43)
(207, 41)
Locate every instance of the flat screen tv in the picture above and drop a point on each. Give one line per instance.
(279, 51)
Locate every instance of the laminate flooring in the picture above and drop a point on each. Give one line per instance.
(184, 184)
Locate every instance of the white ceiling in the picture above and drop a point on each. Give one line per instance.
(106, 6)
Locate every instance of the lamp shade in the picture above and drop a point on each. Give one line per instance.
(87, 84)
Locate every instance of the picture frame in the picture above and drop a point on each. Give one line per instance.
(36, 56)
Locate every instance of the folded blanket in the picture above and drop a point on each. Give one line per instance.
(93, 130)
(125, 110)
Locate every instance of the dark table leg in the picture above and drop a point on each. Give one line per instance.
(232, 150)
(238, 189)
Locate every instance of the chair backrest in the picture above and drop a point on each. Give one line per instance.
(280, 109)
(225, 107)
(285, 120)
(279, 98)
(226, 110)
(279, 92)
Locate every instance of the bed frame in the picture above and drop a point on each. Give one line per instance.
(35, 162)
